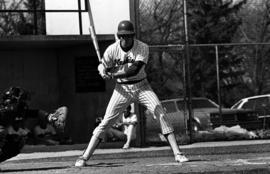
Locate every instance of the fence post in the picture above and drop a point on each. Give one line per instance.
(218, 81)
(188, 86)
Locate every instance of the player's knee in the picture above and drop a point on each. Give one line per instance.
(159, 111)
(100, 130)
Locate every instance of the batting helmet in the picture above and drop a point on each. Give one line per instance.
(125, 28)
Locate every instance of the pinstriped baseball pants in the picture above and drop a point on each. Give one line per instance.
(123, 95)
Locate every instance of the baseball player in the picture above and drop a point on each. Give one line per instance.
(125, 61)
(125, 128)
(14, 112)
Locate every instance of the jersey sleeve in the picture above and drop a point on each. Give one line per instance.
(143, 53)
(107, 59)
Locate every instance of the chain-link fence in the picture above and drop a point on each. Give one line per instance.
(221, 75)
(218, 87)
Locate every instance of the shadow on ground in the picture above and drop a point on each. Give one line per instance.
(33, 169)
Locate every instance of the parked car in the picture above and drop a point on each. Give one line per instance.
(259, 103)
(202, 107)
(246, 118)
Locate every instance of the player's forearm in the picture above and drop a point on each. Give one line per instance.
(133, 70)
(129, 73)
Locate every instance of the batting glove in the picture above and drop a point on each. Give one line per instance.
(103, 72)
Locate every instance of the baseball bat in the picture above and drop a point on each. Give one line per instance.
(92, 30)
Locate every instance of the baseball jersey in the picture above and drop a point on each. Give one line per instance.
(115, 57)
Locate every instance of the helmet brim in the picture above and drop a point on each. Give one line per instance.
(125, 33)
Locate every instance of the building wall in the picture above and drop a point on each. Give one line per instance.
(84, 107)
(49, 74)
(34, 70)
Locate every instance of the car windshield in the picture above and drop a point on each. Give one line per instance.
(198, 104)
(250, 104)
(236, 105)
(257, 103)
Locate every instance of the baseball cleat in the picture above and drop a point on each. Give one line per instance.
(80, 162)
(58, 118)
(180, 158)
(126, 146)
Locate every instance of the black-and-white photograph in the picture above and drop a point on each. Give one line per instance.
(135, 86)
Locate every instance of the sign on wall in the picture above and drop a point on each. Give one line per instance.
(87, 78)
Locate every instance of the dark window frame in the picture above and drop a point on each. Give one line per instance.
(35, 12)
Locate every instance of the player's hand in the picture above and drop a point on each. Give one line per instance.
(111, 75)
(106, 76)
(103, 72)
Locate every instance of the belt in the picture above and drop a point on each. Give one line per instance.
(130, 82)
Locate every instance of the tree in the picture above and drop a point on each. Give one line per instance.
(8, 21)
(255, 29)
(19, 23)
(161, 21)
(214, 21)
(36, 17)
(210, 21)
(161, 24)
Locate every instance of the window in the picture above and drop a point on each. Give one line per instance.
(64, 17)
(26, 17)
(261, 102)
(60, 17)
(70, 17)
(22, 17)
(261, 105)
(180, 105)
(250, 104)
(169, 106)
